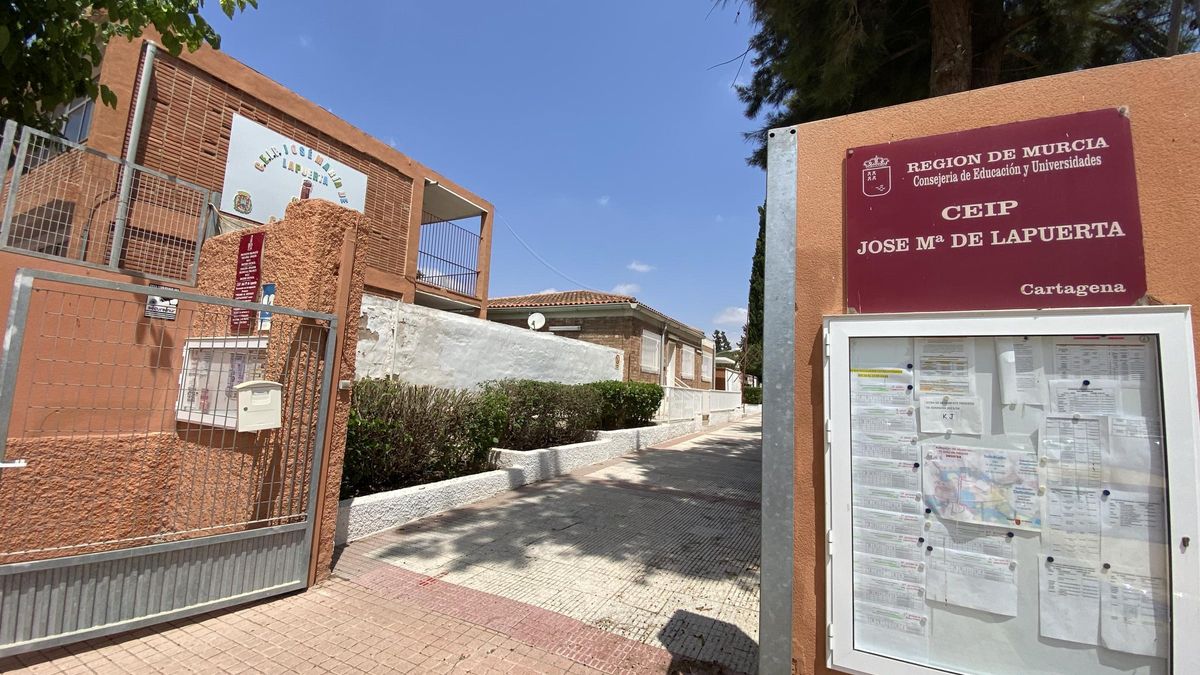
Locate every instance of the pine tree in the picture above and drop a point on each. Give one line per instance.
(721, 341)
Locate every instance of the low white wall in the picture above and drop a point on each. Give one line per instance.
(429, 346)
(361, 517)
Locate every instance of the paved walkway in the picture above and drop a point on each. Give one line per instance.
(646, 564)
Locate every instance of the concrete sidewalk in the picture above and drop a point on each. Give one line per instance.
(646, 564)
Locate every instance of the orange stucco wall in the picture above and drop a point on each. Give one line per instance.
(1163, 97)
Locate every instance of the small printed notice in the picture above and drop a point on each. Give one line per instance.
(883, 419)
(945, 366)
(1134, 454)
(1069, 600)
(1125, 358)
(1071, 523)
(1073, 446)
(888, 521)
(161, 307)
(890, 593)
(891, 394)
(902, 633)
(1089, 397)
(1021, 370)
(866, 379)
(1133, 512)
(888, 473)
(886, 499)
(1135, 613)
(885, 446)
(890, 544)
(979, 485)
(897, 569)
(951, 414)
(983, 539)
(983, 582)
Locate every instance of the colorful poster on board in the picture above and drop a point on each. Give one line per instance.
(265, 171)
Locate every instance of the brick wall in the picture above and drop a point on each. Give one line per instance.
(186, 133)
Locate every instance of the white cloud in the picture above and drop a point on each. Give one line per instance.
(731, 316)
(626, 289)
(305, 42)
(638, 266)
(548, 290)
(720, 218)
(603, 200)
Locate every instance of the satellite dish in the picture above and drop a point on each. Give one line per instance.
(536, 321)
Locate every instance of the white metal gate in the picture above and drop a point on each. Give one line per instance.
(127, 496)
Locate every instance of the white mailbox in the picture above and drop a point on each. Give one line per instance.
(258, 405)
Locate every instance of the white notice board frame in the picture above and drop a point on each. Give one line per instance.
(1181, 419)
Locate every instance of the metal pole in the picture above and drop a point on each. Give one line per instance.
(135, 132)
(18, 166)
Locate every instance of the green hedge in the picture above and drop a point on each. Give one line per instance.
(545, 414)
(624, 405)
(752, 395)
(402, 434)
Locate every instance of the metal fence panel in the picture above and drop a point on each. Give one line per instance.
(62, 201)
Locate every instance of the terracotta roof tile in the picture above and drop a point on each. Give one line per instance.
(560, 299)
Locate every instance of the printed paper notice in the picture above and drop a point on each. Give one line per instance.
(888, 521)
(898, 633)
(1113, 357)
(1071, 523)
(946, 366)
(891, 394)
(1135, 613)
(887, 499)
(908, 571)
(971, 538)
(1097, 397)
(1069, 600)
(867, 379)
(979, 485)
(1134, 454)
(890, 593)
(951, 414)
(1073, 446)
(984, 582)
(888, 473)
(1022, 370)
(889, 544)
(883, 419)
(885, 446)
(1133, 512)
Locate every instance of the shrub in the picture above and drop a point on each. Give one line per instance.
(624, 405)
(402, 434)
(545, 414)
(752, 395)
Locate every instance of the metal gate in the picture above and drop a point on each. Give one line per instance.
(127, 495)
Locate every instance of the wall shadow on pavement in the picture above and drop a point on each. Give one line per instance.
(701, 645)
(694, 513)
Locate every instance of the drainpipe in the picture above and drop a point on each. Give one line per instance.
(135, 133)
(662, 358)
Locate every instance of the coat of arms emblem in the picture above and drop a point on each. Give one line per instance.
(877, 177)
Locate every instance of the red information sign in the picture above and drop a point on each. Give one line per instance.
(1033, 214)
(245, 285)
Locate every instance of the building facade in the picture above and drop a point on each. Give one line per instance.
(658, 348)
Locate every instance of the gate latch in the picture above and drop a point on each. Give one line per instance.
(14, 464)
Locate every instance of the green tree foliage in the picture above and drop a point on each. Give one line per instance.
(752, 354)
(815, 59)
(624, 405)
(50, 50)
(721, 341)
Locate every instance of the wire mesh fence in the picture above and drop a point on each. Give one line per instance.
(123, 407)
(66, 201)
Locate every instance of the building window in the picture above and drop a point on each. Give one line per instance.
(706, 368)
(651, 348)
(77, 120)
(689, 363)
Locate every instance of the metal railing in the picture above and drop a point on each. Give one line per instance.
(448, 256)
(682, 403)
(63, 201)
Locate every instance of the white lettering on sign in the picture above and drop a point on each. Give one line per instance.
(984, 210)
(1018, 235)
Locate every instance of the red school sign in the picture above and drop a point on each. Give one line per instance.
(1032, 214)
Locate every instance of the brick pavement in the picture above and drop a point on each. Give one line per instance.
(646, 564)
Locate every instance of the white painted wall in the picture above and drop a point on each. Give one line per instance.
(429, 346)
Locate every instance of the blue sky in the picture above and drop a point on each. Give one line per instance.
(596, 129)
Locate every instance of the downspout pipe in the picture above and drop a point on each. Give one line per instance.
(135, 134)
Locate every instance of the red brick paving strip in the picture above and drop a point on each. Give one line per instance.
(557, 634)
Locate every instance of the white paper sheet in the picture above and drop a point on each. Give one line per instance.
(1134, 454)
(983, 582)
(996, 541)
(1072, 447)
(982, 485)
(889, 521)
(888, 473)
(1069, 600)
(893, 394)
(883, 419)
(885, 445)
(1021, 370)
(945, 366)
(889, 593)
(1071, 523)
(888, 544)
(1113, 357)
(951, 414)
(1098, 397)
(867, 379)
(897, 633)
(897, 569)
(1134, 613)
(886, 499)
(1133, 512)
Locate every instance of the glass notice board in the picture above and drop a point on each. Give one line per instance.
(999, 499)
